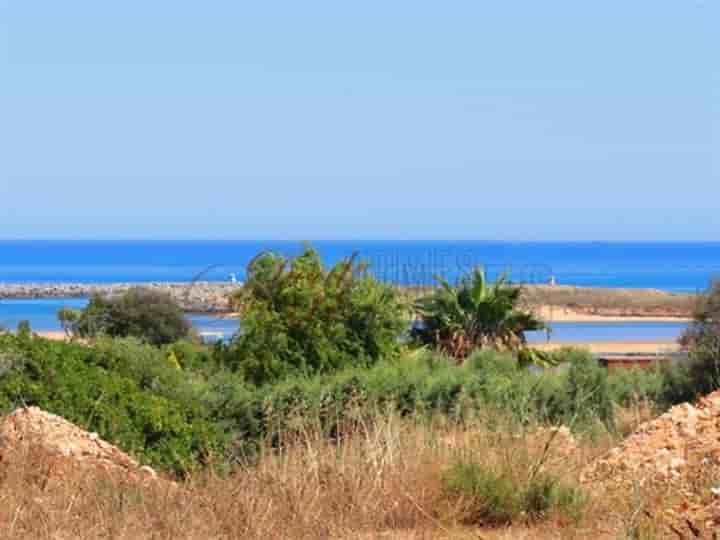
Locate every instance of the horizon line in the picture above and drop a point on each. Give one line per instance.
(370, 240)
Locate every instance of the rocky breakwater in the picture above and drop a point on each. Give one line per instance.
(197, 297)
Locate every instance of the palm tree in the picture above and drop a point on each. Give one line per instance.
(475, 314)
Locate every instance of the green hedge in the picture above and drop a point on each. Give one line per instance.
(121, 389)
(427, 385)
(176, 407)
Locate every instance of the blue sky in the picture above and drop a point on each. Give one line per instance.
(513, 120)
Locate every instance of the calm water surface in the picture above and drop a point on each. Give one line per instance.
(669, 266)
(42, 315)
(686, 267)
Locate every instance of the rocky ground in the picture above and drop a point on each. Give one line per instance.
(62, 450)
(676, 455)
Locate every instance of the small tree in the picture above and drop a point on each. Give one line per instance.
(24, 328)
(68, 317)
(473, 315)
(702, 341)
(297, 317)
(150, 315)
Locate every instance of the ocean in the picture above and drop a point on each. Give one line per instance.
(678, 267)
(682, 267)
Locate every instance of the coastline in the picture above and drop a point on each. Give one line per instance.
(616, 347)
(563, 314)
(596, 347)
(585, 304)
(560, 303)
(200, 297)
(52, 335)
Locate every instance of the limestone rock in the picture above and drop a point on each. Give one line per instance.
(677, 449)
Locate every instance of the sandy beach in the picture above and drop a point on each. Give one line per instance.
(616, 347)
(564, 314)
(597, 347)
(55, 336)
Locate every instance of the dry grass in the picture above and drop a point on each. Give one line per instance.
(627, 419)
(384, 481)
(611, 302)
(600, 301)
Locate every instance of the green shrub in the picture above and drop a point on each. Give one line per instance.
(678, 385)
(192, 357)
(121, 389)
(545, 494)
(423, 386)
(703, 372)
(299, 319)
(491, 362)
(68, 318)
(127, 391)
(702, 341)
(474, 315)
(237, 410)
(24, 328)
(662, 386)
(490, 496)
(587, 392)
(705, 327)
(150, 315)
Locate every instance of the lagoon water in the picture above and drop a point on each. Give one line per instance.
(42, 314)
(680, 267)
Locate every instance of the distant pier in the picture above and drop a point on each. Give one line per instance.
(197, 297)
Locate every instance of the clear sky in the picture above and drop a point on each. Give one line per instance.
(522, 120)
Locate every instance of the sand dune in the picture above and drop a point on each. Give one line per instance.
(616, 347)
(564, 314)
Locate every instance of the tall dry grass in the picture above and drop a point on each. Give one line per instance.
(381, 479)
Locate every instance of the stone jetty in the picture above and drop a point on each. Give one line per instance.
(197, 297)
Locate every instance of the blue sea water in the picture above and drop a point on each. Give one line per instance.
(669, 266)
(680, 267)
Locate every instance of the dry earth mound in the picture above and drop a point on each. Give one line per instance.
(678, 453)
(664, 449)
(53, 448)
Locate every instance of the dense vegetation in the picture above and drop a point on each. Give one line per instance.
(120, 388)
(147, 314)
(179, 407)
(300, 319)
(319, 347)
(702, 339)
(493, 496)
(472, 315)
